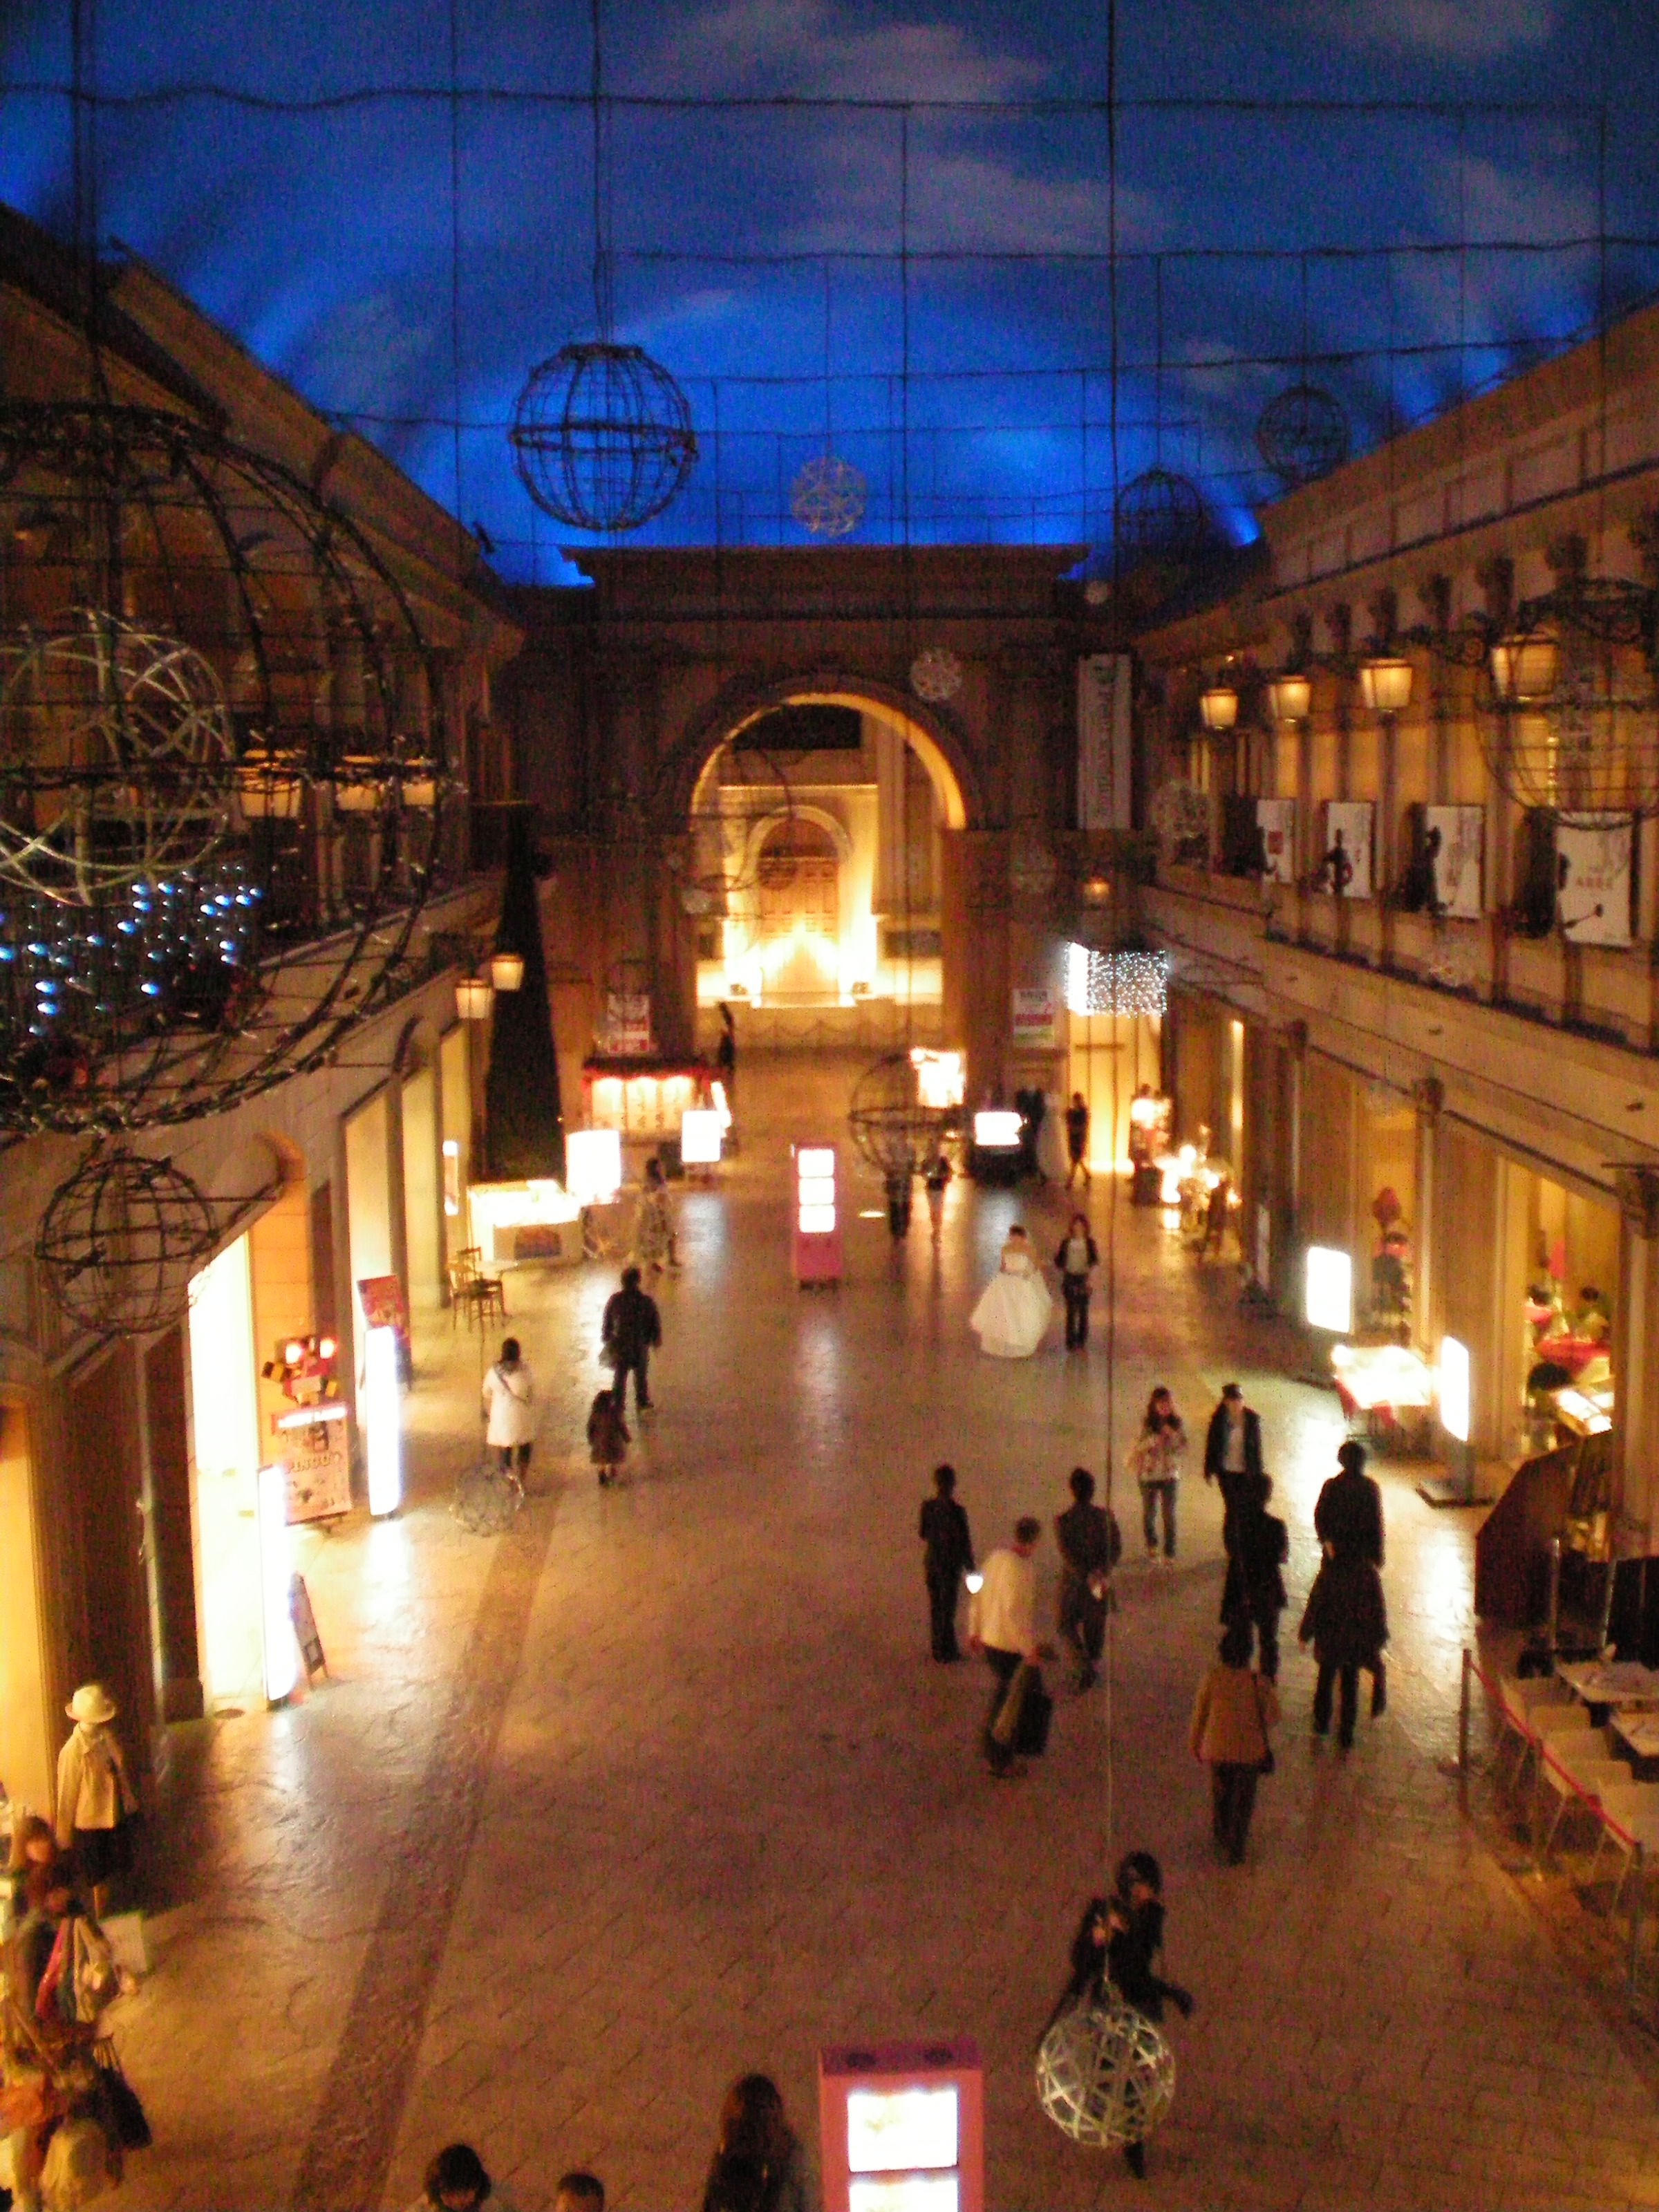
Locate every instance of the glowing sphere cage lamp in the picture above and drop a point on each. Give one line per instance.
(602, 437)
(1385, 683)
(1105, 2076)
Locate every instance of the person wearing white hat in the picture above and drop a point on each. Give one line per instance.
(96, 1799)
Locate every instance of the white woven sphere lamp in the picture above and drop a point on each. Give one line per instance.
(1105, 2075)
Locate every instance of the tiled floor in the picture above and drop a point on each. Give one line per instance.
(664, 1786)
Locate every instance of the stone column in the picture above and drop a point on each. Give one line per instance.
(1428, 1095)
(975, 903)
(1636, 1361)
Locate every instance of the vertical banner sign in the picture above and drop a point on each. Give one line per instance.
(1593, 857)
(628, 1023)
(1035, 1013)
(1102, 741)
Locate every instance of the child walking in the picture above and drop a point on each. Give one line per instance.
(608, 1437)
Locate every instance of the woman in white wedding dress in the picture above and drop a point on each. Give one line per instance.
(1014, 1307)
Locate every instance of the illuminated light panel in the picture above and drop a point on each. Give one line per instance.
(593, 1165)
(904, 2192)
(307, 1417)
(701, 1132)
(281, 1653)
(818, 1160)
(383, 1423)
(451, 1175)
(996, 1129)
(940, 1079)
(1329, 1289)
(901, 2130)
(1117, 982)
(817, 1220)
(1454, 1389)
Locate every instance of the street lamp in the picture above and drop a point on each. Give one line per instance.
(1217, 704)
(1290, 696)
(1524, 665)
(1385, 683)
(506, 970)
(474, 996)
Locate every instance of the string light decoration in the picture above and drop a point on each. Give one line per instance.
(120, 1241)
(1300, 434)
(1105, 2075)
(1131, 983)
(221, 769)
(829, 497)
(602, 436)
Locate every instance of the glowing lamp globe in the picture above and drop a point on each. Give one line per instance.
(602, 437)
(1105, 2075)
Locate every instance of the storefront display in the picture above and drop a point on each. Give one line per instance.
(643, 1099)
(516, 1224)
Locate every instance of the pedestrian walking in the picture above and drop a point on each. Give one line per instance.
(1235, 1709)
(608, 1436)
(758, 2165)
(578, 2192)
(1077, 1140)
(948, 1556)
(1077, 1260)
(936, 1181)
(1090, 1545)
(1254, 1592)
(1156, 1458)
(630, 1331)
(1346, 1618)
(1232, 1449)
(654, 1222)
(725, 1056)
(96, 1803)
(509, 1404)
(1002, 1624)
(457, 2180)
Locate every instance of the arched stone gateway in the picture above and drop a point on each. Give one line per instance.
(689, 686)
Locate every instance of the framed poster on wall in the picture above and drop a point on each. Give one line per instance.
(1345, 865)
(1276, 820)
(1034, 1014)
(1455, 843)
(1592, 877)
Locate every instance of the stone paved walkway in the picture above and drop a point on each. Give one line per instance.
(575, 1837)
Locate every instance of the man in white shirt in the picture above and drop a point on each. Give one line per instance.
(1002, 1623)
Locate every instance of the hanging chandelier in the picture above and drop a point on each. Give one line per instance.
(221, 769)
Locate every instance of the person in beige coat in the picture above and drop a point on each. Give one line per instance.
(96, 1799)
(1232, 1715)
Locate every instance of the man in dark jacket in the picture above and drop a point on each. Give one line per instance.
(948, 1556)
(1090, 1545)
(631, 1328)
(1255, 1590)
(1232, 1452)
(1348, 1517)
(1347, 1620)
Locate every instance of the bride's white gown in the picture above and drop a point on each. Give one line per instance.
(1014, 1309)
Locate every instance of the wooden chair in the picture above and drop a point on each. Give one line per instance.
(481, 1296)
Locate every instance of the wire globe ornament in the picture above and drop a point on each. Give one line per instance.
(829, 497)
(936, 675)
(1161, 516)
(120, 1241)
(602, 436)
(1300, 434)
(891, 1128)
(742, 801)
(222, 770)
(116, 758)
(1590, 745)
(1105, 2075)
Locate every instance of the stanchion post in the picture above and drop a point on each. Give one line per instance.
(1638, 1869)
(1464, 1718)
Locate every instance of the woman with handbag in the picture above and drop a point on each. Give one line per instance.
(1234, 1710)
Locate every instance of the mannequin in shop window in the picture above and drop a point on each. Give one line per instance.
(96, 1802)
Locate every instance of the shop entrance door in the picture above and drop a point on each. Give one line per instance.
(26, 1740)
(225, 1400)
(107, 1482)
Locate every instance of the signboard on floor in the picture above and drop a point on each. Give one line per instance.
(316, 1450)
(1036, 1012)
(1103, 797)
(1592, 879)
(304, 1627)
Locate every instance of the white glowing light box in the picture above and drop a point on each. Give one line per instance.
(281, 1653)
(996, 1129)
(907, 2192)
(899, 2130)
(701, 1132)
(1330, 1289)
(1454, 1389)
(593, 1165)
(382, 1423)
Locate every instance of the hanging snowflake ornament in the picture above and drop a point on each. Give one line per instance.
(1105, 2075)
(936, 675)
(829, 497)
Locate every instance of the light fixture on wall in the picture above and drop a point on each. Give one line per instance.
(1524, 665)
(506, 970)
(1385, 683)
(474, 997)
(1218, 705)
(1290, 696)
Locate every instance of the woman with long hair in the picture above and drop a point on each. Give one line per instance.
(757, 2165)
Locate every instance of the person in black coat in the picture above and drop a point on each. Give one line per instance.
(1090, 1545)
(1232, 1453)
(1255, 1590)
(1348, 1514)
(631, 1328)
(948, 1556)
(1347, 1617)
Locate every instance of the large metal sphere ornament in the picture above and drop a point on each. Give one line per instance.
(602, 437)
(829, 497)
(116, 758)
(1161, 516)
(936, 675)
(891, 1128)
(120, 1241)
(222, 770)
(1105, 2075)
(1301, 434)
(1590, 745)
(742, 802)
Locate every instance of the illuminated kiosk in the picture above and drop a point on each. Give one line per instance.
(901, 2127)
(816, 1234)
(995, 1154)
